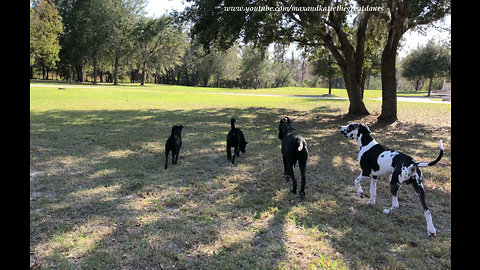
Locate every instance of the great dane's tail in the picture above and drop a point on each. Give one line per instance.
(426, 164)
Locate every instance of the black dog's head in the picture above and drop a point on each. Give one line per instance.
(283, 127)
(243, 144)
(177, 130)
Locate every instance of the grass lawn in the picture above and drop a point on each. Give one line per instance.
(100, 197)
(342, 93)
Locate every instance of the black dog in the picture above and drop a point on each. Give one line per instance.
(174, 142)
(235, 139)
(294, 147)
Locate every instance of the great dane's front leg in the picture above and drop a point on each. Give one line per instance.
(373, 191)
(357, 184)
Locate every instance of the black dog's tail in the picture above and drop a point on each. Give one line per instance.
(425, 164)
(301, 144)
(232, 123)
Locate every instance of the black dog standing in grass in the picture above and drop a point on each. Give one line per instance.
(294, 148)
(174, 142)
(235, 139)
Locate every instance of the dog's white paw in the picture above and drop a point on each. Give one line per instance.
(371, 202)
(430, 228)
(387, 211)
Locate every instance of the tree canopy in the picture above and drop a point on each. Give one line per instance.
(45, 26)
(341, 27)
(224, 43)
(427, 62)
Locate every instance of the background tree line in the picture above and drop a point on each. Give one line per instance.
(112, 40)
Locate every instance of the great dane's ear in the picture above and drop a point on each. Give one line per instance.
(286, 120)
(366, 127)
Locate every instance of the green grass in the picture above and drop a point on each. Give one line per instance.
(100, 198)
(300, 91)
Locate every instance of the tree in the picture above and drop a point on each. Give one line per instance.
(401, 17)
(149, 40)
(45, 28)
(377, 31)
(98, 22)
(426, 62)
(280, 70)
(190, 64)
(74, 39)
(253, 67)
(224, 66)
(346, 40)
(126, 13)
(324, 65)
(411, 70)
(171, 51)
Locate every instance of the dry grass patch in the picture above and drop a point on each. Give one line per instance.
(100, 197)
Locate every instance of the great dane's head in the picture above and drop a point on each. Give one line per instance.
(356, 132)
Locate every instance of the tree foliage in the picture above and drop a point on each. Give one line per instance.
(427, 62)
(400, 17)
(254, 67)
(114, 38)
(324, 65)
(45, 28)
(343, 37)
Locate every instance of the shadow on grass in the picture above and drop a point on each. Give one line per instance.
(106, 167)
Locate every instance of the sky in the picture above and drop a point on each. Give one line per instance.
(412, 39)
(157, 8)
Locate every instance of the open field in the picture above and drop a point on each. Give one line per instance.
(312, 92)
(100, 198)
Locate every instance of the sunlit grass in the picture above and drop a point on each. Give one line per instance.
(100, 198)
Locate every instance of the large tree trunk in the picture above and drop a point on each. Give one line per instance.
(389, 83)
(357, 107)
(79, 71)
(144, 73)
(388, 69)
(350, 60)
(115, 71)
(330, 86)
(94, 70)
(429, 85)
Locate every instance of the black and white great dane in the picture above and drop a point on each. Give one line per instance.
(377, 160)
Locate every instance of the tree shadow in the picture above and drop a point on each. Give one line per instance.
(204, 212)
